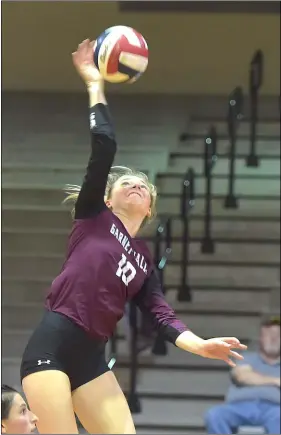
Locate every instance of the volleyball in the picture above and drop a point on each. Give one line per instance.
(121, 54)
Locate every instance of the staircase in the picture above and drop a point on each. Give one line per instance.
(232, 288)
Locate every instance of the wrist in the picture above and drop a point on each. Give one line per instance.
(95, 86)
(96, 93)
(191, 343)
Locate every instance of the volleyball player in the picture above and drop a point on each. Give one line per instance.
(63, 367)
(15, 415)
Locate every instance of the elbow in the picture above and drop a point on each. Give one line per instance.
(237, 380)
(239, 375)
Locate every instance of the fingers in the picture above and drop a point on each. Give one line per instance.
(82, 47)
(230, 362)
(236, 355)
(230, 340)
(81, 55)
(234, 343)
(84, 43)
(242, 346)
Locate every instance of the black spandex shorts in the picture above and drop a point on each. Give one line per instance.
(59, 344)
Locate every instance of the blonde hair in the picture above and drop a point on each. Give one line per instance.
(115, 173)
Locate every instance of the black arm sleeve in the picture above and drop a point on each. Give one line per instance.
(91, 197)
(151, 301)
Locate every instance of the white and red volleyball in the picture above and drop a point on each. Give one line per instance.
(121, 54)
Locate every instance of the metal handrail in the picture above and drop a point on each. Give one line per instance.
(187, 202)
(210, 158)
(235, 110)
(255, 83)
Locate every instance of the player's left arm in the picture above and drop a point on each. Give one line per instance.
(151, 301)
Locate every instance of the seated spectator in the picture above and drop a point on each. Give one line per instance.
(15, 415)
(254, 396)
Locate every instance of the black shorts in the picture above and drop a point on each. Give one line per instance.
(59, 344)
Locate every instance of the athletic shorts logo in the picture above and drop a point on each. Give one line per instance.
(40, 362)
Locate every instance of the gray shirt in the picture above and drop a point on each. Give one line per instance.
(270, 393)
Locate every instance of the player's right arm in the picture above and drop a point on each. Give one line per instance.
(103, 145)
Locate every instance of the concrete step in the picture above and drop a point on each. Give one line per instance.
(59, 169)
(247, 206)
(222, 273)
(174, 382)
(248, 185)
(154, 412)
(268, 147)
(173, 412)
(10, 373)
(181, 161)
(167, 183)
(53, 242)
(221, 228)
(215, 323)
(27, 316)
(46, 199)
(14, 342)
(269, 128)
(19, 290)
(57, 218)
(50, 263)
(44, 245)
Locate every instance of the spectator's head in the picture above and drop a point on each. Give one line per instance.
(15, 415)
(270, 337)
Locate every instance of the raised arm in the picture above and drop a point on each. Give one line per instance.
(103, 145)
(152, 303)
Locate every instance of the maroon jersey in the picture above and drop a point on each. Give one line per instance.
(105, 267)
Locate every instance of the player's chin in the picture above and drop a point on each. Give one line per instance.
(135, 200)
(136, 204)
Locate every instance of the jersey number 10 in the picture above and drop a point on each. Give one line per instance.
(126, 270)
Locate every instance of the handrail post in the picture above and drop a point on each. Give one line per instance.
(210, 157)
(133, 398)
(113, 344)
(255, 82)
(187, 202)
(235, 105)
(160, 346)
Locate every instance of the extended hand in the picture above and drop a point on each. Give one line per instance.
(221, 348)
(84, 63)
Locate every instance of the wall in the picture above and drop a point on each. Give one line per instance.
(189, 53)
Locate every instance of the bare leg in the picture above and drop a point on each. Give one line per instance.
(49, 396)
(102, 407)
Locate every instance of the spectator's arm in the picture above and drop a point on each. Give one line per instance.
(245, 375)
